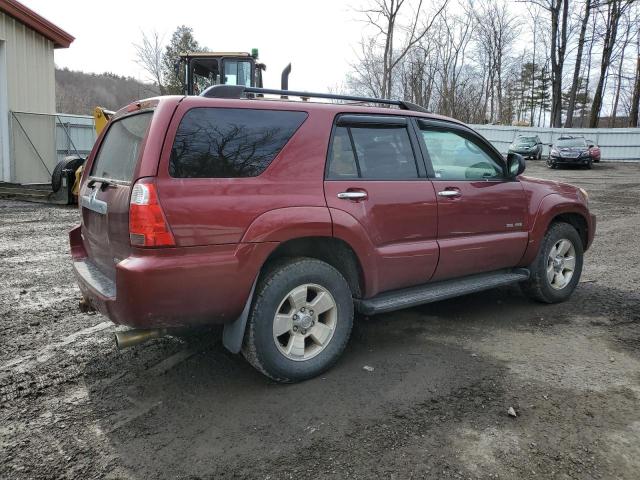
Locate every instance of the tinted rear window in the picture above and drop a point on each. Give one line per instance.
(382, 153)
(229, 142)
(121, 147)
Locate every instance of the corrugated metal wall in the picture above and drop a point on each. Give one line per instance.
(30, 78)
(74, 134)
(30, 68)
(617, 144)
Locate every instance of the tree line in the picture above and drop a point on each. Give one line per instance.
(571, 63)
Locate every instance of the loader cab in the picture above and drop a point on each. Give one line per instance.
(200, 70)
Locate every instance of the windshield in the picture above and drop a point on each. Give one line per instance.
(526, 140)
(571, 142)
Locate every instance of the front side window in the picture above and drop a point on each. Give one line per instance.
(376, 153)
(230, 142)
(455, 157)
(120, 148)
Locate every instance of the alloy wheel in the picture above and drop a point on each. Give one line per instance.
(561, 264)
(305, 322)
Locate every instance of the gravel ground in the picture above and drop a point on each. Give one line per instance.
(435, 405)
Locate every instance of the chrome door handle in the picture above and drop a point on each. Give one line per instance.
(449, 193)
(352, 195)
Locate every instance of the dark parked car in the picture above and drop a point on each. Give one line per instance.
(279, 219)
(570, 151)
(528, 146)
(594, 150)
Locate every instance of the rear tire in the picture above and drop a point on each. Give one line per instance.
(286, 339)
(557, 268)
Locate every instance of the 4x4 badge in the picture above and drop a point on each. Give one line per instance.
(513, 225)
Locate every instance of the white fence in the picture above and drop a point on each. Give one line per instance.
(616, 144)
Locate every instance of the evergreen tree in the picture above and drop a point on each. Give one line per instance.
(182, 41)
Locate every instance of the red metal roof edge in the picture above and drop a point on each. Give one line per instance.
(31, 19)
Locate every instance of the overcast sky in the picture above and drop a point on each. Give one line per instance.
(317, 37)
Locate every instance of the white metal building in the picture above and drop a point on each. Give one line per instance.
(27, 88)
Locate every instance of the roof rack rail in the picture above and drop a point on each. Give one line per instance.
(237, 91)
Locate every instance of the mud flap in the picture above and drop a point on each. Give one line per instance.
(233, 332)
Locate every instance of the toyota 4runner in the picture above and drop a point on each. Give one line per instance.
(280, 218)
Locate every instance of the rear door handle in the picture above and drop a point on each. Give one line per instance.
(352, 195)
(449, 193)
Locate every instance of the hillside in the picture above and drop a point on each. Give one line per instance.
(79, 92)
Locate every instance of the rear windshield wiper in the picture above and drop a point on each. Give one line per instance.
(104, 183)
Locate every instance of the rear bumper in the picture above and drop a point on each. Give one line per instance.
(172, 287)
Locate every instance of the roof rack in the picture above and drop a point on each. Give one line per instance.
(237, 91)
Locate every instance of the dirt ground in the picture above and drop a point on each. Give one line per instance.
(435, 405)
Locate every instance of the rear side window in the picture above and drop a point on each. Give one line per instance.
(380, 153)
(230, 143)
(120, 148)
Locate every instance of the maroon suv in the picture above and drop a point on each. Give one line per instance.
(280, 218)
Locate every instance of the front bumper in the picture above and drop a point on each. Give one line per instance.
(583, 160)
(525, 153)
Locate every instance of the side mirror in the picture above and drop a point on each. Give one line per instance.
(515, 164)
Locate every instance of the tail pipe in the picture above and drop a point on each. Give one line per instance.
(284, 80)
(129, 338)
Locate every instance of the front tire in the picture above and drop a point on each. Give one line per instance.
(557, 268)
(551, 164)
(300, 321)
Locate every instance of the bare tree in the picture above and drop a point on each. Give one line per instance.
(366, 75)
(534, 14)
(615, 10)
(149, 55)
(628, 28)
(496, 30)
(586, 73)
(635, 98)
(559, 15)
(451, 38)
(385, 17)
(576, 70)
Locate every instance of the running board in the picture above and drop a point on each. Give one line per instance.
(436, 291)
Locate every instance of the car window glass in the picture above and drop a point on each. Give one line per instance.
(381, 153)
(230, 142)
(342, 161)
(120, 148)
(454, 157)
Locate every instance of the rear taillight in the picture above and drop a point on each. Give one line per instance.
(147, 224)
